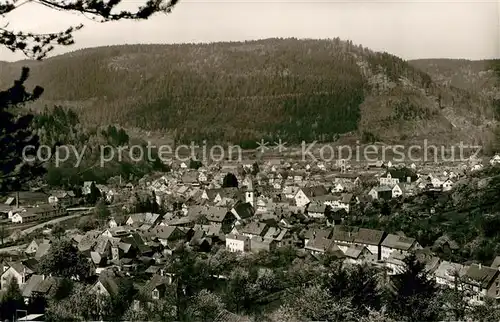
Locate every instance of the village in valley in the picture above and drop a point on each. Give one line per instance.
(240, 207)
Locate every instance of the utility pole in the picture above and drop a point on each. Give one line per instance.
(2, 231)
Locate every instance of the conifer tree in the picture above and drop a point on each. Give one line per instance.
(414, 296)
(18, 144)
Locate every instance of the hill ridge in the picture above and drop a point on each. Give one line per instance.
(298, 89)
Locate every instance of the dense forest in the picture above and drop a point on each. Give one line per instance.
(59, 125)
(243, 91)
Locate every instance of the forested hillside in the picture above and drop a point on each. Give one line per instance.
(245, 91)
(59, 125)
(476, 76)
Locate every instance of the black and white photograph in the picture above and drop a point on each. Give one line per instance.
(250, 160)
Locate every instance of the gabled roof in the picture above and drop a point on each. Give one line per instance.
(449, 270)
(244, 210)
(31, 284)
(496, 263)
(255, 228)
(31, 196)
(345, 233)
(226, 316)
(215, 214)
(110, 282)
(313, 233)
(401, 174)
(275, 233)
(382, 189)
(165, 232)
(319, 244)
(355, 251)
(315, 191)
(137, 241)
(145, 218)
(369, 236)
(315, 207)
(347, 197)
(155, 282)
(214, 229)
(19, 267)
(190, 177)
(237, 237)
(398, 242)
(481, 275)
(88, 240)
(42, 250)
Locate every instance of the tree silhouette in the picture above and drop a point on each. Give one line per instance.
(102, 212)
(39, 45)
(195, 164)
(94, 195)
(255, 168)
(64, 260)
(230, 181)
(12, 299)
(16, 137)
(415, 292)
(16, 132)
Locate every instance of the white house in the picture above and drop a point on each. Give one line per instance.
(476, 167)
(15, 270)
(357, 254)
(447, 185)
(237, 243)
(394, 176)
(396, 191)
(388, 180)
(495, 160)
(86, 187)
(401, 244)
(304, 195)
(202, 177)
(381, 192)
(447, 272)
(338, 188)
(436, 182)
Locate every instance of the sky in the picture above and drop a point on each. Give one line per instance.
(410, 29)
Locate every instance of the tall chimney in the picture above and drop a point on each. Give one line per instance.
(17, 200)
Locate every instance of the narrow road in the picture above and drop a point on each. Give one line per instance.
(50, 222)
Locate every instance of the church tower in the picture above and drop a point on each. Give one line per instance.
(249, 194)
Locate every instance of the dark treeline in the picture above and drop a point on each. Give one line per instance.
(60, 125)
